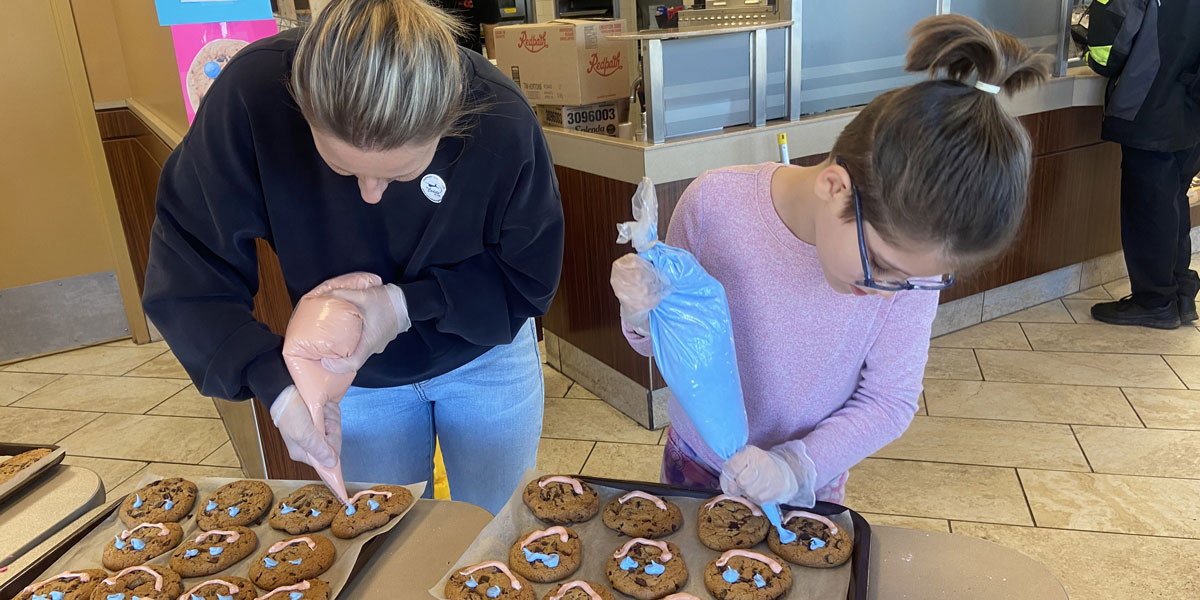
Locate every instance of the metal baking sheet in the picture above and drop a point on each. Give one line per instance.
(847, 581)
(85, 552)
(30, 473)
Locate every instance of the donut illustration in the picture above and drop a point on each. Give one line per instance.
(207, 64)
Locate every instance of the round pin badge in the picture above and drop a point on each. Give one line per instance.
(433, 187)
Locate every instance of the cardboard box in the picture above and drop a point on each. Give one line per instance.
(567, 62)
(601, 118)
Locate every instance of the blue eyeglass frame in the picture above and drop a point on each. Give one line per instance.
(870, 282)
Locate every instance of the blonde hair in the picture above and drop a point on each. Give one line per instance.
(379, 74)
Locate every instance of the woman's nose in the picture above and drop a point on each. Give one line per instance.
(372, 189)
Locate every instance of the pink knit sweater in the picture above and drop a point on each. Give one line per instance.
(840, 372)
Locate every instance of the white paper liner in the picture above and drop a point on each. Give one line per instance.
(23, 476)
(86, 554)
(599, 542)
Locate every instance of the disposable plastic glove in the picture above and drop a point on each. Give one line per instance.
(639, 288)
(304, 441)
(385, 316)
(779, 476)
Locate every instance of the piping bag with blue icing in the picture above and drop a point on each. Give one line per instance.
(691, 333)
(323, 326)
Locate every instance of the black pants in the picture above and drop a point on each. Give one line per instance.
(1156, 224)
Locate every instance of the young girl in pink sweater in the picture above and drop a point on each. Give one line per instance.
(832, 271)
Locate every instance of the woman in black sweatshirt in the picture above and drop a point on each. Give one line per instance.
(370, 142)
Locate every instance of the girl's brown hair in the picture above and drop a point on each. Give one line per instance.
(941, 161)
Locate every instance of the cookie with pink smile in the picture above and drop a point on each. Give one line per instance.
(147, 582)
(492, 579)
(561, 499)
(547, 555)
(213, 551)
(728, 522)
(292, 560)
(370, 509)
(223, 588)
(139, 544)
(647, 569)
(72, 585)
(747, 575)
(638, 514)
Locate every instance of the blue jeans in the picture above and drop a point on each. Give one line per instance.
(487, 415)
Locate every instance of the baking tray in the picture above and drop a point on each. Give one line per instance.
(31, 473)
(37, 570)
(860, 561)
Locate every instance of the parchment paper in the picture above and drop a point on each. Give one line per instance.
(86, 554)
(23, 476)
(599, 542)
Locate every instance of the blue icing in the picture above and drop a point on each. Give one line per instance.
(493, 592)
(315, 512)
(137, 500)
(212, 69)
(550, 560)
(137, 544)
(270, 562)
(295, 595)
(56, 595)
(628, 564)
(115, 597)
(815, 543)
(168, 505)
(233, 511)
(211, 506)
(295, 562)
(195, 597)
(730, 575)
(117, 543)
(38, 597)
(350, 510)
(373, 504)
(655, 569)
(286, 509)
(759, 581)
(471, 583)
(221, 597)
(215, 550)
(191, 553)
(786, 536)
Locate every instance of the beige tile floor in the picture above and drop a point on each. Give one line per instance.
(1074, 442)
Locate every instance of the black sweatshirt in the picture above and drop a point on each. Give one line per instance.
(474, 267)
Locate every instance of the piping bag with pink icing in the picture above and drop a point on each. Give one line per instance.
(323, 326)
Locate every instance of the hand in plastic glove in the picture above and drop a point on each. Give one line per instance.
(305, 442)
(780, 475)
(639, 289)
(385, 316)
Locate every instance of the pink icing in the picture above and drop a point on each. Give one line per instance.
(162, 530)
(232, 535)
(574, 483)
(577, 584)
(762, 558)
(233, 589)
(636, 494)
(753, 509)
(299, 587)
(355, 497)
(124, 572)
(82, 577)
(680, 596)
(666, 554)
(558, 530)
(277, 546)
(833, 528)
(516, 584)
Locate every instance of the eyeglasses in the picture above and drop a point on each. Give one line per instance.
(916, 283)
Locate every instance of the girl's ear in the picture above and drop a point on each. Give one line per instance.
(833, 188)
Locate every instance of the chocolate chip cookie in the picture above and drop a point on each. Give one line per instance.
(9, 468)
(746, 575)
(579, 590)
(547, 555)
(309, 589)
(561, 500)
(647, 569)
(370, 509)
(638, 514)
(146, 582)
(490, 579)
(138, 545)
(213, 551)
(238, 503)
(819, 541)
(162, 501)
(308, 509)
(225, 588)
(292, 560)
(72, 585)
(728, 522)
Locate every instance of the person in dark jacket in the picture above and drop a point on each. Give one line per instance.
(1150, 51)
(370, 142)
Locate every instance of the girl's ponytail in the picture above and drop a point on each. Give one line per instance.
(960, 47)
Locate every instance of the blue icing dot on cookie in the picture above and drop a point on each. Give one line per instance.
(137, 501)
(759, 581)
(373, 504)
(56, 595)
(191, 553)
(211, 506)
(117, 543)
(295, 562)
(493, 592)
(223, 597)
(168, 505)
(655, 569)
(787, 536)
(195, 597)
(137, 544)
(212, 69)
(471, 583)
(215, 550)
(730, 575)
(38, 597)
(315, 512)
(350, 510)
(115, 597)
(628, 564)
(270, 562)
(233, 511)
(286, 509)
(815, 543)
(295, 595)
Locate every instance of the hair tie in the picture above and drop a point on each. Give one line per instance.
(987, 87)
